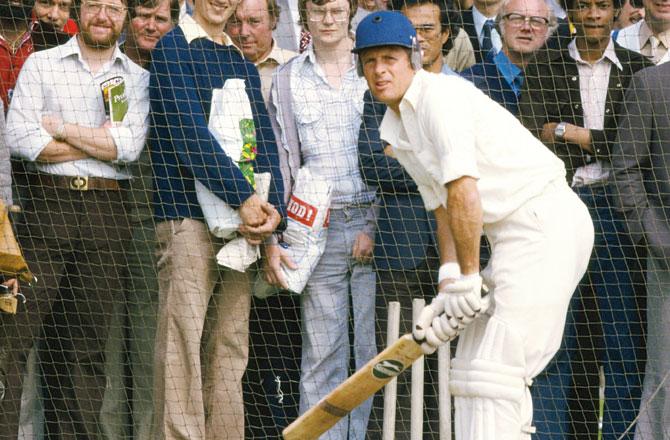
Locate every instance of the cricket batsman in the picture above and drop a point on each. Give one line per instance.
(481, 171)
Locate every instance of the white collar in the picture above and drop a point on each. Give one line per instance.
(609, 55)
(72, 48)
(479, 19)
(193, 30)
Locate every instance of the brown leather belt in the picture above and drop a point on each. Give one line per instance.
(78, 183)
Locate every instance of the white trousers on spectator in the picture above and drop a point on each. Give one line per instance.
(539, 254)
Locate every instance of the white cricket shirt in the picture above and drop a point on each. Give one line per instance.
(448, 129)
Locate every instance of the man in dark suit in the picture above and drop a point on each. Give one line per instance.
(406, 257)
(525, 26)
(479, 23)
(641, 176)
(570, 101)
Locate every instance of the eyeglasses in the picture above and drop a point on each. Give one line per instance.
(316, 15)
(518, 20)
(427, 30)
(113, 11)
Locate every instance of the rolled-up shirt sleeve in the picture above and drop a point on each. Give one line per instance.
(130, 136)
(25, 136)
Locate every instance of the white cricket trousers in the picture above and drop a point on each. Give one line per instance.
(539, 253)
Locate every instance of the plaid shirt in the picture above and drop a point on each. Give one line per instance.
(328, 121)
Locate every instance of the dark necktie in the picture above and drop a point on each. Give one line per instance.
(487, 44)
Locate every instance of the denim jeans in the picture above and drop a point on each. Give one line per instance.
(338, 288)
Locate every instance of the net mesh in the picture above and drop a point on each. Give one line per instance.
(137, 326)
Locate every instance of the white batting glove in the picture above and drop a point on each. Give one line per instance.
(463, 298)
(427, 315)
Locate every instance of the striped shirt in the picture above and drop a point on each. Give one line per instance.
(328, 121)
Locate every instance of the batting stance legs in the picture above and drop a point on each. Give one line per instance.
(539, 254)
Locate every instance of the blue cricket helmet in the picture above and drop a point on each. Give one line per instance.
(384, 28)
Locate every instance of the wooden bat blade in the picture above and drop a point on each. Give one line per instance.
(355, 390)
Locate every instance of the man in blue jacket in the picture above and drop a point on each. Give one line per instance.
(525, 26)
(202, 343)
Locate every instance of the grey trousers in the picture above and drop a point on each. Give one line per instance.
(654, 422)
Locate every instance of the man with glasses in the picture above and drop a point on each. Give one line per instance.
(433, 30)
(571, 101)
(525, 26)
(128, 406)
(321, 132)
(75, 222)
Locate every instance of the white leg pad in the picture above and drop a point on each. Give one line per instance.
(490, 383)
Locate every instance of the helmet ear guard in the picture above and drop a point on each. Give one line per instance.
(416, 58)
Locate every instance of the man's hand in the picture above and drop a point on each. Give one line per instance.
(251, 212)
(274, 257)
(573, 134)
(52, 124)
(363, 248)
(255, 235)
(463, 298)
(13, 285)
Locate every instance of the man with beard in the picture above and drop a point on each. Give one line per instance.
(129, 356)
(75, 223)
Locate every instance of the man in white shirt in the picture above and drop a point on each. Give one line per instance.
(479, 169)
(650, 36)
(571, 101)
(75, 223)
(326, 97)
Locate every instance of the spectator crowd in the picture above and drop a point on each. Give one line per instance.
(147, 141)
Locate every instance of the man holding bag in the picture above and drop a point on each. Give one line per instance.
(202, 343)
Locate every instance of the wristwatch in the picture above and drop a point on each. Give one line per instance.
(559, 131)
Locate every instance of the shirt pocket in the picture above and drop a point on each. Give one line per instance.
(309, 111)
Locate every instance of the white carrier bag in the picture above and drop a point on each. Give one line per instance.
(306, 232)
(229, 106)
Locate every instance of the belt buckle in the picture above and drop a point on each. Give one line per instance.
(79, 183)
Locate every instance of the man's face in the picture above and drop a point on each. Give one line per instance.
(593, 19)
(657, 11)
(525, 25)
(426, 20)
(629, 15)
(388, 72)
(54, 12)
(15, 10)
(101, 22)
(214, 12)
(149, 25)
(370, 5)
(251, 29)
(328, 23)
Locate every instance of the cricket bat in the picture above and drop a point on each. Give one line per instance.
(355, 390)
